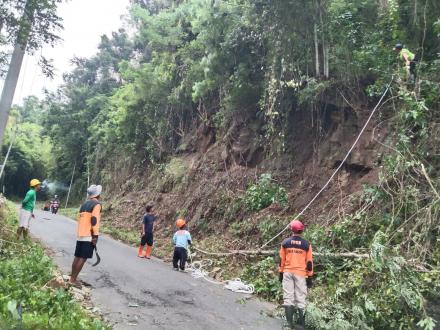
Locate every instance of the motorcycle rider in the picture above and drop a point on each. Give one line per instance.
(55, 204)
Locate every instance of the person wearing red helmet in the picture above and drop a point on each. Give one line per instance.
(295, 274)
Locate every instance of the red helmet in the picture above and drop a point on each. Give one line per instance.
(296, 226)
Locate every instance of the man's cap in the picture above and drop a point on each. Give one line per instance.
(94, 190)
(398, 46)
(35, 182)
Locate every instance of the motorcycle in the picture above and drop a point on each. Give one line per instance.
(54, 207)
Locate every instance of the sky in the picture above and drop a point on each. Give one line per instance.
(84, 22)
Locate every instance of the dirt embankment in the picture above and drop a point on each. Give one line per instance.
(204, 181)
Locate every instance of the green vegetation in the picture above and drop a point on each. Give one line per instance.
(264, 193)
(398, 287)
(125, 235)
(46, 23)
(263, 81)
(196, 64)
(264, 277)
(70, 212)
(31, 152)
(26, 302)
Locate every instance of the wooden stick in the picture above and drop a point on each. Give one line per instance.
(269, 253)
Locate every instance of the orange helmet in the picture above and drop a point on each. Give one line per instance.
(180, 223)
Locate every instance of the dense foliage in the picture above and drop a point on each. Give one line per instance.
(31, 153)
(31, 22)
(264, 193)
(396, 223)
(223, 64)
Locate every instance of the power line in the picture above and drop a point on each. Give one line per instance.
(338, 168)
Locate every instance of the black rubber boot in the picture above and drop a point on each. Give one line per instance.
(289, 310)
(301, 322)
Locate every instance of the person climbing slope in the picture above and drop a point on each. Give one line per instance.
(295, 274)
(27, 208)
(147, 231)
(409, 58)
(181, 241)
(87, 231)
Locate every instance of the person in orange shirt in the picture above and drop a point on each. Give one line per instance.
(87, 230)
(295, 274)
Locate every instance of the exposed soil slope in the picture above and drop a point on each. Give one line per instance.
(204, 181)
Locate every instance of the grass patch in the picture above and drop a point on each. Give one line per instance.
(70, 212)
(125, 235)
(176, 168)
(25, 302)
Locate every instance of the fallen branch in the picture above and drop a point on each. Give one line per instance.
(429, 181)
(342, 255)
(271, 252)
(236, 252)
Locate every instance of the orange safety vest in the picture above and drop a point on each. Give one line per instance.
(89, 219)
(296, 256)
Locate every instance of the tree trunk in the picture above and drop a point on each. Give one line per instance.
(14, 68)
(326, 69)
(323, 41)
(70, 186)
(383, 4)
(317, 68)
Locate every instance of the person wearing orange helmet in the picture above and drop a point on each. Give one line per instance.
(295, 274)
(27, 208)
(181, 241)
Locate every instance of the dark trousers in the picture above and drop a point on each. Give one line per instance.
(412, 70)
(179, 257)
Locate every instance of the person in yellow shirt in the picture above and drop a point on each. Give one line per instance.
(295, 274)
(87, 230)
(409, 59)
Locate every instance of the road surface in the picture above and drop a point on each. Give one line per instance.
(166, 299)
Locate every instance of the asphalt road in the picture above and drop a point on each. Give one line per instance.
(166, 299)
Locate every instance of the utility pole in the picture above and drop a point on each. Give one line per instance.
(70, 186)
(15, 66)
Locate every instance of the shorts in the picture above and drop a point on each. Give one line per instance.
(84, 249)
(25, 218)
(147, 239)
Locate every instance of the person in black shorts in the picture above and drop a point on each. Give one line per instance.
(147, 231)
(87, 231)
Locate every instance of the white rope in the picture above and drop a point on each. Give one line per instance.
(236, 285)
(196, 269)
(337, 169)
